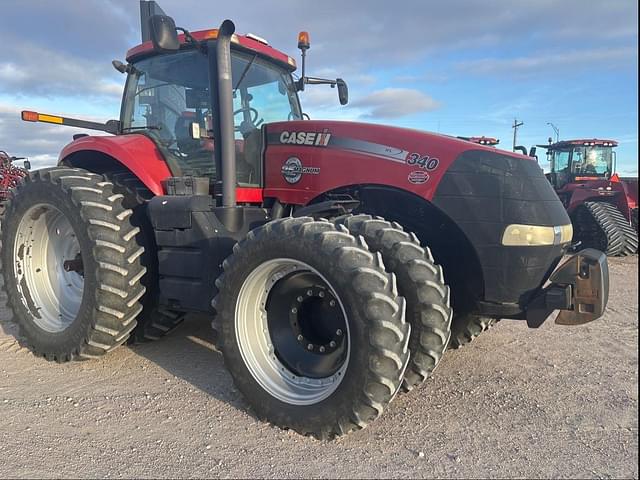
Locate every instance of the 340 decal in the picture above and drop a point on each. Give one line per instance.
(423, 161)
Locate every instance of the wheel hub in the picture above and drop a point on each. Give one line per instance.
(48, 266)
(292, 331)
(306, 325)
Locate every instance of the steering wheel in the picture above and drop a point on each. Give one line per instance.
(253, 118)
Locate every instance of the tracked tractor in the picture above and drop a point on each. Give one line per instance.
(331, 256)
(603, 207)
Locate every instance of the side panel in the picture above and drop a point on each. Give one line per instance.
(136, 152)
(307, 158)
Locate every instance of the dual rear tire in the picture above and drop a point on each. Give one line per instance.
(312, 324)
(281, 282)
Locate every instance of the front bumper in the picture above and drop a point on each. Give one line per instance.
(579, 288)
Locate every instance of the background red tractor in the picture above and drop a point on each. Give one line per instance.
(329, 254)
(603, 206)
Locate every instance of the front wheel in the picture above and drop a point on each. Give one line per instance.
(466, 327)
(311, 327)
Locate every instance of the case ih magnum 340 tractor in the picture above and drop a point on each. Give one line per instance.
(603, 207)
(331, 255)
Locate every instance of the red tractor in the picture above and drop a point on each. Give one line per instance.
(603, 207)
(330, 255)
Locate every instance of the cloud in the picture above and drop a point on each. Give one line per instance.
(543, 63)
(350, 38)
(56, 46)
(396, 102)
(29, 69)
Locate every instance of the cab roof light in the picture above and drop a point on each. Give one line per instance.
(256, 38)
(303, 41)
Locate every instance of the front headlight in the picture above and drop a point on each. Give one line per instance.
(517, 235)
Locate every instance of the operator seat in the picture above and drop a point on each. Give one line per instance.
(248, 155)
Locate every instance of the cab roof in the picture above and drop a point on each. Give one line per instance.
(247, 42)
(582, 142)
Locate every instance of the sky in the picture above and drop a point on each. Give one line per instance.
(456, 67)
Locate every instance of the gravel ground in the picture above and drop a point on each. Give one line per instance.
(553, 402)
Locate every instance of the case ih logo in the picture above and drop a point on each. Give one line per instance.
(315, 139)
(292, 170)
(418, 177)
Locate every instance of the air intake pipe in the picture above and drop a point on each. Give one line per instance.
(226, 143)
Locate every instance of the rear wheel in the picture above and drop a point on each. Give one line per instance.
(71, 264)
(311, 327)
(420, 282)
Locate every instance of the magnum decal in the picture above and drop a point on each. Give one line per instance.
(292, 170)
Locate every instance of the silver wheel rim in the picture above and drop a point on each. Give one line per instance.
(254, 340)
(44, 241)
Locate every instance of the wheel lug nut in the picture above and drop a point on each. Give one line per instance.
(322, 349)
(339, 332)
(332, 344)
(332, 303)
(310, 346)
(294, 310)
(300, 338)
(299, 299)
(321, 294)
(309, 292)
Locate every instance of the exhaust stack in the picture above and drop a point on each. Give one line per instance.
(225, 109)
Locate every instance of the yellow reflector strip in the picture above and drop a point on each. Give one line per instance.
(49, 118)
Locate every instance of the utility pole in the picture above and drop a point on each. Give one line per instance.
(516, 125)
(556, 130)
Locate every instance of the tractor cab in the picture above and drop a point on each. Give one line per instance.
(168, 98)
(171, 97)
(578, 161)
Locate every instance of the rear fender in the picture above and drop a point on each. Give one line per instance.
(581, 195)
(136, 153)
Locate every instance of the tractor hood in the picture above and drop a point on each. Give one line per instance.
(307, 158)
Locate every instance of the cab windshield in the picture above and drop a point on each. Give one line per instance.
(165, 94)
(594, 160)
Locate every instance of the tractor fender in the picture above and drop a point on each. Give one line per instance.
(581, 195)
(135, 152)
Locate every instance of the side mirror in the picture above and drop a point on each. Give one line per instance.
(163, 33)
(343, 91)
(27, 165)
(119, 66)
(532, 152)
